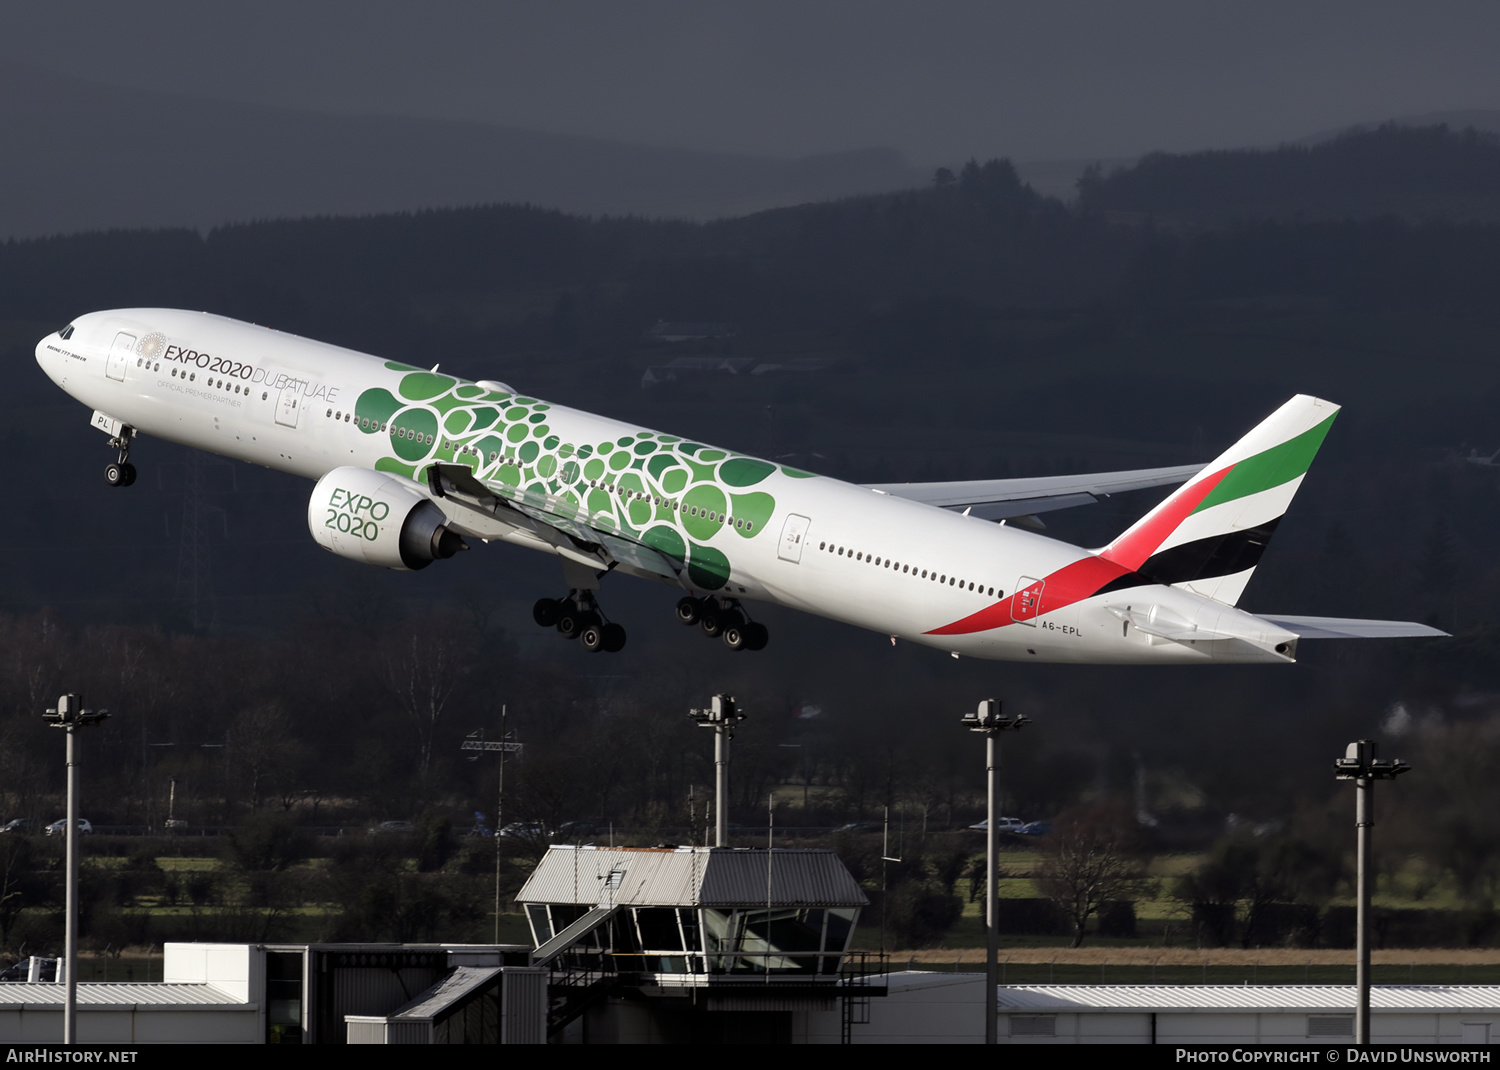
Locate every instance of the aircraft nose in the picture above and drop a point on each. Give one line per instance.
(48, 357)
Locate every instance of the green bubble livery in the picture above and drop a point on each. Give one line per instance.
(674, 496)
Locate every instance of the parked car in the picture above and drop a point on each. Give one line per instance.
(390, 826)
(525, 830)
(60, 826)
(21, 970)
(23, 826)
(1004, 824)
(1035, 828)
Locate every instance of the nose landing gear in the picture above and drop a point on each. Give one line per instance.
(577, 616)
(121, 473)
(723, 618)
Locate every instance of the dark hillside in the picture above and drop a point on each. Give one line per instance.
(1410, 172)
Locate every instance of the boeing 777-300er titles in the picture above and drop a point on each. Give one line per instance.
(410, 462)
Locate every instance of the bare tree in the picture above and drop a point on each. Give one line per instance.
(1093, 855)
(424, 660)
(266, 751)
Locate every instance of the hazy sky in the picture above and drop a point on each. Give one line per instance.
(941, 81)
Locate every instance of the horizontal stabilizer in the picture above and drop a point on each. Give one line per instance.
(1351, 627)
(998, 499)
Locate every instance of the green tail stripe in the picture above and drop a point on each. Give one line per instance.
(1270, 468)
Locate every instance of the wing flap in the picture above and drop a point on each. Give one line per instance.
(553, 520)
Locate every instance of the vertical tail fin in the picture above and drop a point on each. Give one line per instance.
(1209, 535)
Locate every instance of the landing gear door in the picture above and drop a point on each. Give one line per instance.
(119, 356)
(792, 534)
(287, 404)
(1027, 602)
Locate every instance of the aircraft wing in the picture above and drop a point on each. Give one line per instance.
(998, 499)
(1350, 627)
(552, 520)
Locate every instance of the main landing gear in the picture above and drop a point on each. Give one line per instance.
(121, 473)
(578, 617)
(723, 618)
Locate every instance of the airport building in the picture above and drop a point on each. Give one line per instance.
(1246, 1014)
(697, 944)
(689, 945)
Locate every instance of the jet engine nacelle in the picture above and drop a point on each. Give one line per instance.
(379, 519)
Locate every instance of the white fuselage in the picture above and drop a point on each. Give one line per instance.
(819, 545)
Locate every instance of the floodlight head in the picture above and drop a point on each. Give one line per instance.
(721, 712)
(988, 718)
(1359, 763)
(69, 713)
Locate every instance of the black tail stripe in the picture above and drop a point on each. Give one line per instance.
(1125, 582)
(1218, 555)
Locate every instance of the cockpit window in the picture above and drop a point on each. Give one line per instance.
(66, 332)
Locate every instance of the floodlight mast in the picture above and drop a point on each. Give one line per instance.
(1360, 765)
(69, 715)
(989, 720)
(722, 716)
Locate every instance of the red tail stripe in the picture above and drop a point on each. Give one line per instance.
(1071, 583)
(1133, 548)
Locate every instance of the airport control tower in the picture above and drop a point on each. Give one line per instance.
(696, 943)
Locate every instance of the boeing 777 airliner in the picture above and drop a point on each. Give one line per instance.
(409, 463)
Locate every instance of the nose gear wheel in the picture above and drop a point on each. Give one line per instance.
(121, 473)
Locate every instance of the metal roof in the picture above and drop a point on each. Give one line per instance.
(1204, 998)
(548, 951)
(450, 990)
(691, 876)
(118, 995)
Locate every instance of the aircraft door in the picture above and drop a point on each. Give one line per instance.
(791, 538)
(287, 404)
(119, 356)
(1027, 602)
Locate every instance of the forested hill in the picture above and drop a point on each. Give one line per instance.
(968, 329)
(1411, 172)
(893, 275)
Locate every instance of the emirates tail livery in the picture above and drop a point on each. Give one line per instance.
(410, 463)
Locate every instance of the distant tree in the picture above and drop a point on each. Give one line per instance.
(1236, 891)
(1093, 855)
(425, 659)
(1448, 810)
(266, 842)
(944, 177)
